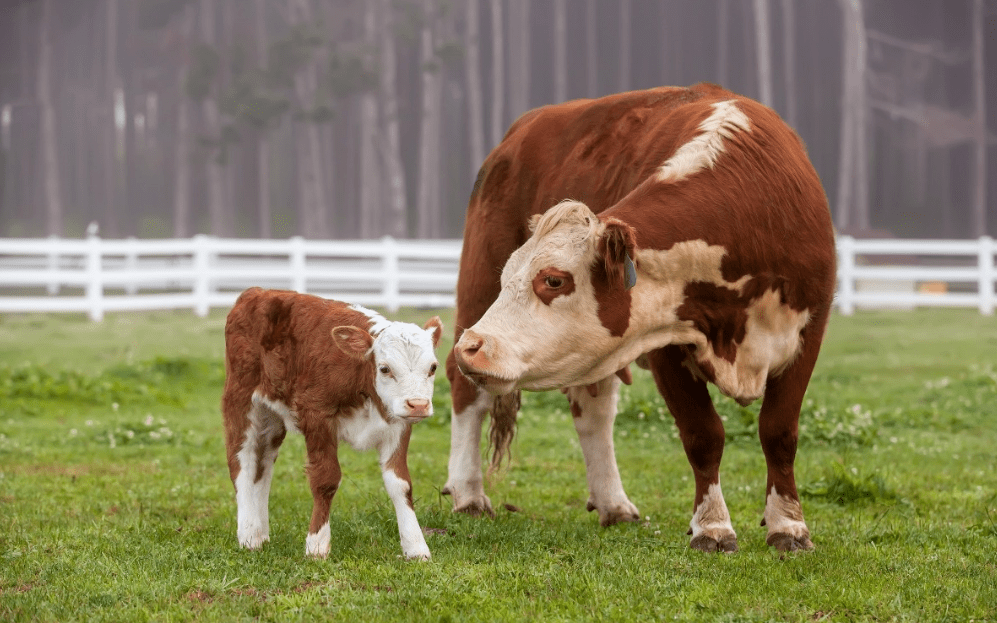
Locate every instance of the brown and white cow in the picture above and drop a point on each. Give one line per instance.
(335, 373)
(706, 204)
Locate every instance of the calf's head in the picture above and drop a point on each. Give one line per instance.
(563, 308)
(404, 362)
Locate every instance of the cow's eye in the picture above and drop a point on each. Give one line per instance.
(432, 369)
(553, 282)
(385, 370)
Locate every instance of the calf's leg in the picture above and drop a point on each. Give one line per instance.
(398, 484)
(702, 434)
(253, 461)
(593, 410)
(324, 476)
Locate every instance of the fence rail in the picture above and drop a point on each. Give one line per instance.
(95, 276)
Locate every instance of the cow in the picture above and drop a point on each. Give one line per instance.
(335, 373)
(681, 228)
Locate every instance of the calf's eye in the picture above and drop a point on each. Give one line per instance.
(432, 369)
(385, 370)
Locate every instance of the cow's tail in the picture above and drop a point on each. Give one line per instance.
(502, 429)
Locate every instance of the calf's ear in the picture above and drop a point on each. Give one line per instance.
(617, 247)
(435, 328)
(353, 341)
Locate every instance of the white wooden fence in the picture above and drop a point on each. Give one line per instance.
(94, 275)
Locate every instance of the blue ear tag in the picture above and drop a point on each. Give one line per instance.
(630, 273)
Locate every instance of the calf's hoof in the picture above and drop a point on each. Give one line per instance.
(726, 544)
(617, 513)
(419, 557)
(789, 543)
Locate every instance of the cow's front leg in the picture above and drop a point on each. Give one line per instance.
(465, 481)
(593, 410)
(702, 434)
(324, 476)
(398, 484)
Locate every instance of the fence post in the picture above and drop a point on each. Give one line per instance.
(202, 276)
(53, 264)
(131, 263)
(986, 264)
(391, 295)
(299, 264)
(846, 272)
(95, 284)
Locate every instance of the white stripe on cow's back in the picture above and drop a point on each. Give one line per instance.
(703, 150)
(380, 323)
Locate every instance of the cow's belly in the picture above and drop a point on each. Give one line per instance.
(771, 342)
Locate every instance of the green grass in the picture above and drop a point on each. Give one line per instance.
(115, 502)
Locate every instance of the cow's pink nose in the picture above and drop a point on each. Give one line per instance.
(417, 405)
(469, 345)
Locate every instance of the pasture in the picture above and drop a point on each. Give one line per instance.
(115, 502)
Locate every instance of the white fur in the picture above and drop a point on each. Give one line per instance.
(253, 496)
(413, 541)
(595, 435)
(317, 543)
(711, 517)
(703, 151)
(465, 481)
(781, 516)
(407, 352)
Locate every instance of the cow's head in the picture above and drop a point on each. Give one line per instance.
(404, 363)
(563, 308)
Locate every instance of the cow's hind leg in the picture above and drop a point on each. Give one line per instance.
(778, 427)
(702, 435)
(465, 480)
(593, 411)
(256, 458)
(324, 476)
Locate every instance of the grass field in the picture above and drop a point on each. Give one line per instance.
(115, 502)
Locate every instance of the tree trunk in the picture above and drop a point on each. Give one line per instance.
(428, 202)
(109, 143)
(181, 186)
(763, 43)
(519, 57)
(264, 210)
(396, 224)
(723, 36)
(789, 53)
(560, 51)
(853, 180)
(472, 72)
(498, 73)
(591, 52)
(625, 44)
(371, 211)
(980, 112)
(212, 126)
(49, 144)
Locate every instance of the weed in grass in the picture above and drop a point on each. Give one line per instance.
(843, 485)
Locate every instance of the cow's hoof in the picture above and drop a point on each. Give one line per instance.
(726, 544)
(475, 508)
(789, 543)
(618, 513)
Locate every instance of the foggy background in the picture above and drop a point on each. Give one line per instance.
(359, 119)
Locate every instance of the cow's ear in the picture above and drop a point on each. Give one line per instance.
(617, 247)
(435, 328)
(353, 341)
(532, 223)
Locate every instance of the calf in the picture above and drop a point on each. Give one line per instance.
(333, 372)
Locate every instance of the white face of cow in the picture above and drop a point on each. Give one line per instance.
(404, 363)
(545, 329)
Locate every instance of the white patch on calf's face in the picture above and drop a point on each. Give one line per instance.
(404, 368)
(703, 151)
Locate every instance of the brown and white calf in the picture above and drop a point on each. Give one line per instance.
(688, 232)
(335, 373)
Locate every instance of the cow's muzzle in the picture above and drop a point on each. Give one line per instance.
(472, 356)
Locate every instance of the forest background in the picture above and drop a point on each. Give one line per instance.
(360, 119)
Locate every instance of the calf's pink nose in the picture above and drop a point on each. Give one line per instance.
(417, 405)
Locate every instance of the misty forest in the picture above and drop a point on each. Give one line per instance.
(369, 118)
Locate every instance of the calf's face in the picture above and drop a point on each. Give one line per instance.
(563, 307)
(404, 362)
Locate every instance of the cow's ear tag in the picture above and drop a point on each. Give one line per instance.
(629, 273)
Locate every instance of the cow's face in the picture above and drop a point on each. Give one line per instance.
(404, 364)
(562, 309)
